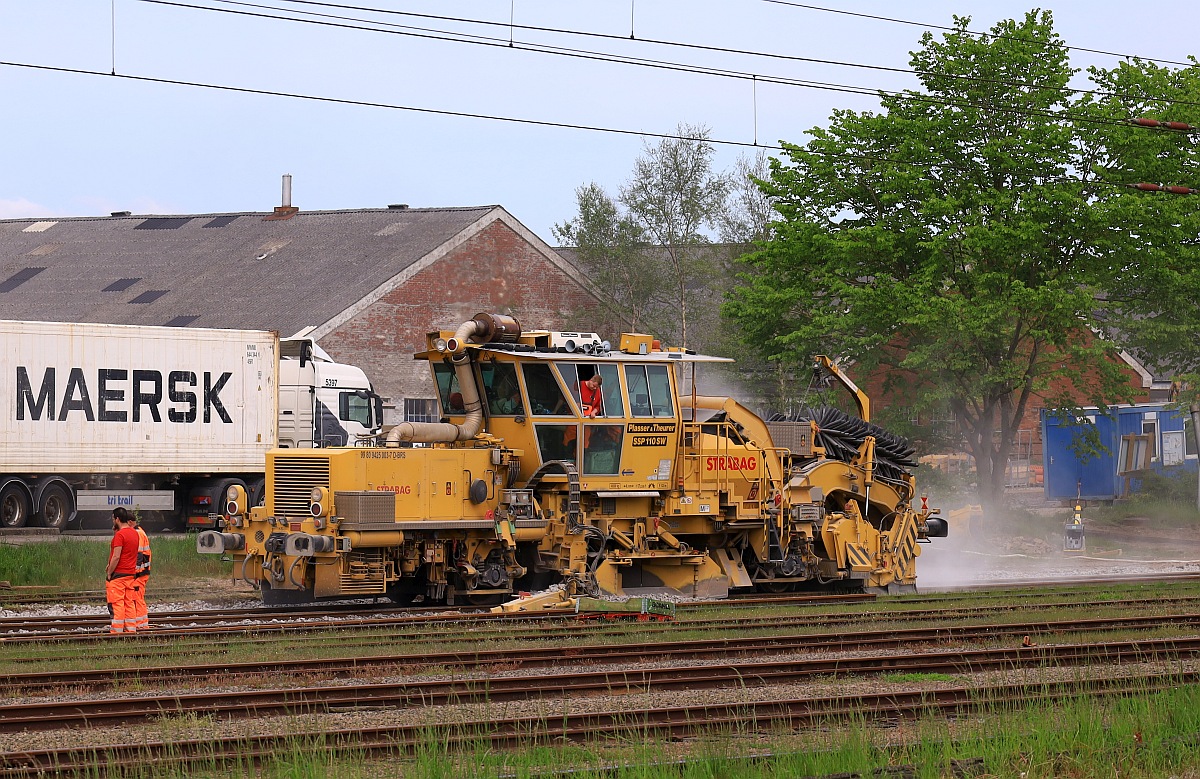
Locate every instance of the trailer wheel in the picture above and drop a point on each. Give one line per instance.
(15, 505)
(55, 507)
(257, 493)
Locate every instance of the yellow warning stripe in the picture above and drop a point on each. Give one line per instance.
(907, 548)
(857, 555)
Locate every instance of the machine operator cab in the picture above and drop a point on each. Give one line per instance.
(613, 413)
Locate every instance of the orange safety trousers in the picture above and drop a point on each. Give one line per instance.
(121, 595)
(141, 614)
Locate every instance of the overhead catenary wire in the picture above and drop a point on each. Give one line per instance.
(912, 23)
(391, 106)
(941, 164)
(636, 61)
(470, 38)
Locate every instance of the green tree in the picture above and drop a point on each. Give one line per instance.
(974, 238)
(673, 195)
(612, 248)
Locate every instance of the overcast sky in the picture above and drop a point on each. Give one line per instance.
(77, 145)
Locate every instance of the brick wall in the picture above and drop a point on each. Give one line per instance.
(495, 271)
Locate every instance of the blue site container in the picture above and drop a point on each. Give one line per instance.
(1103, 476)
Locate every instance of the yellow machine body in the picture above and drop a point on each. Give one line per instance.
(540, 474)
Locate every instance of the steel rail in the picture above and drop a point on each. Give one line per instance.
(678, 721)
(542, 657)
(163, 643)
(174, 623)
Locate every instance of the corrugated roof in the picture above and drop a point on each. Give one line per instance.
(233, 270)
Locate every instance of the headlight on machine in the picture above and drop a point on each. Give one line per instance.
(235, 500)
(319, 501)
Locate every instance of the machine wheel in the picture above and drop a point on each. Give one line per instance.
(14, 505)
(55, 508)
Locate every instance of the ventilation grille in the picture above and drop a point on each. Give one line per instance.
(293, 482)
(364, 573)
(365, 507)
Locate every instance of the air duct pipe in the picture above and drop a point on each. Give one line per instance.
(480, 329)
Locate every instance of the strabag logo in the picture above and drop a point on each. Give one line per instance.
(730, 463)
(122, 397)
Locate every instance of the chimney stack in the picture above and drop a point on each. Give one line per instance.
(286, 210)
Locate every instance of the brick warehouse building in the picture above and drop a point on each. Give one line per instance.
(370, 282)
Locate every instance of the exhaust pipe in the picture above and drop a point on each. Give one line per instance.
(480, 329)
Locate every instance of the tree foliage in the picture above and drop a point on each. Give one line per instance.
(612, 246)
(975, 240)
(648, 247)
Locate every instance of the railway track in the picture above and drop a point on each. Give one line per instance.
(376, 614)
(221, 625)
(621, 721)
(373, 690)
(541, 657)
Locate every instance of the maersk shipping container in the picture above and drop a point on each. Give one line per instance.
(121, 414)
(116, 398)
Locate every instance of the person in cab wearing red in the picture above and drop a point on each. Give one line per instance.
(590, 396)
(120, 578)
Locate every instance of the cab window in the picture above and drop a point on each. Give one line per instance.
(447, 386)
(545, 396)
(501, 388)
(649, 391)
(557, 442)
(660, 391)
(575, 374)
(602, 449)
(353, 407)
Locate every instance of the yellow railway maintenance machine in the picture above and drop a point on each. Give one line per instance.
(534, 478)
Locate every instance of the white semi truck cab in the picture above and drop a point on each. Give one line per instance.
(322, 402)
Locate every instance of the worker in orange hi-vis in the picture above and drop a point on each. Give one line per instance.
(122, 570)
(141, 579)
